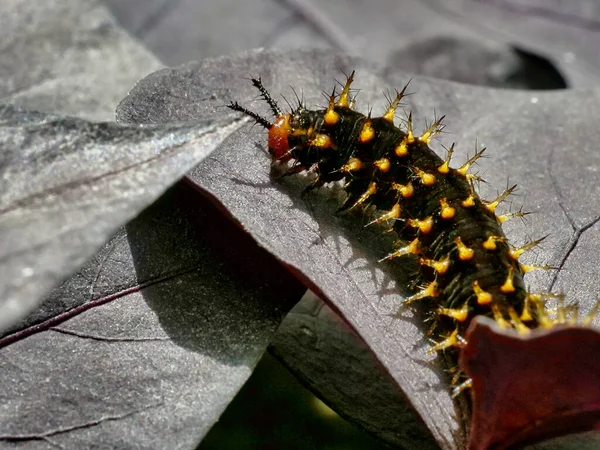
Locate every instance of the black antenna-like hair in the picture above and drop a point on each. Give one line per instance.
(259, 119)
(266, 96)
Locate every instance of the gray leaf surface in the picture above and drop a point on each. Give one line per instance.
(321, 349)
(179, 308)
(66, 185)
(67, 57)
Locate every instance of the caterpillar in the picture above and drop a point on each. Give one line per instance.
(467, 266)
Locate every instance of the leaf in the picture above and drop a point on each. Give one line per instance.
(530, 138)
(325, 353)
(526, 388)
(66, 185)
(172, 317)
(67, 57)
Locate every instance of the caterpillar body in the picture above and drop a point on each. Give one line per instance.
(467, 265)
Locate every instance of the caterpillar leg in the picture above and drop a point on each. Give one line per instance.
(457, 390)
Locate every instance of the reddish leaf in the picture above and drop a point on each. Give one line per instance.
(530, 388)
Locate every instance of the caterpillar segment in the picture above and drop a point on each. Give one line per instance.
(467, 265)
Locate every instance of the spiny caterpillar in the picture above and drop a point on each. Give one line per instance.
(467, 265)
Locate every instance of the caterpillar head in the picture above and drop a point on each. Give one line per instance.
(279, 133)
(284, 126)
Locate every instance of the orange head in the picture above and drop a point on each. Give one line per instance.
(279, 132)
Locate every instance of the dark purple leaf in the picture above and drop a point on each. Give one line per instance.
(177, 312)
(67, 185)
(528, 388)
(327, 355)
(531, 139)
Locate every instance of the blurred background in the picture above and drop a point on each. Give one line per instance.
(509, 43)
(274, 410)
